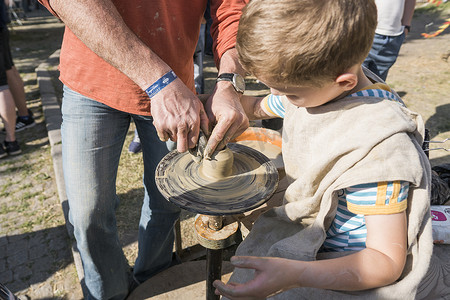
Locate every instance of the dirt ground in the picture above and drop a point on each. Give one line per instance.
(421, 76)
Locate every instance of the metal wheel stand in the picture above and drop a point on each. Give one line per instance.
(215, 235)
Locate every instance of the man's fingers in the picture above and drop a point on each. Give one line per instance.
(233, 132)
(218, 140)
(218, 135)
(162, 135)
(182, 139)
(222, 144)
(215, 144)
(193, 137)
(204, 123)
(211, 146)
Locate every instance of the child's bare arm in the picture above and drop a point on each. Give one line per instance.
(253, 108)
(381, 263)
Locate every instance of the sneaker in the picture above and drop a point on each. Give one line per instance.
(2, 151)
(23, 123)
(12, 148)
(30, 115)
(135, 145)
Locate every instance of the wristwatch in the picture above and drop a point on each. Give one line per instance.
(236, 80)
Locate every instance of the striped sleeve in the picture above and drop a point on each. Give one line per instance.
(273, 106)
(378, 198)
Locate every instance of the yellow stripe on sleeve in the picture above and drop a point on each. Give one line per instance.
(395, 192)
(265, 107)
(381, 207)
(378, 210)
(381, 193)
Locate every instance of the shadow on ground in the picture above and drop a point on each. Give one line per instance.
(438, 123)
(33, 257)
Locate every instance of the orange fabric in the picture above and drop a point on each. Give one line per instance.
(170, 28)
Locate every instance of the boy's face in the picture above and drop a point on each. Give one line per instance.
(307, 96)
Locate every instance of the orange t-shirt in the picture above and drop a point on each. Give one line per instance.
(169, 28)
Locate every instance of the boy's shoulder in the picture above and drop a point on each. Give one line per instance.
(379, 90)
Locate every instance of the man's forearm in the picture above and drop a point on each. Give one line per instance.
(100, 27)
(229, 63)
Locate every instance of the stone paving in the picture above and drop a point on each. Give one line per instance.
(36, 257)
(36, 260)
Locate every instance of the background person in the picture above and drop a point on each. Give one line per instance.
(24, 115)
(112, 52)
(7, 109)
(394, 24)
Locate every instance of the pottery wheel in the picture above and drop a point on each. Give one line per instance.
(252, 183)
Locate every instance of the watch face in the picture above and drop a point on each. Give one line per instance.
(240, 83)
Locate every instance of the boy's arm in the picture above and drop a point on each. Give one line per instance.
(380, 264)
(254, 107)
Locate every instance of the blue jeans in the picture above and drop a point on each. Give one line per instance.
(383, 54)
(199, 55)
(93, 135)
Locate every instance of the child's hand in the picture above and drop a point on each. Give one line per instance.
(272, 275)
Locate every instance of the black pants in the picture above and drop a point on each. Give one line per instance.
(6, 61)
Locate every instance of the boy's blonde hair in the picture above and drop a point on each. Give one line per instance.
(305, 42)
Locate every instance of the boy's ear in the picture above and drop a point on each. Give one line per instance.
(347, 81)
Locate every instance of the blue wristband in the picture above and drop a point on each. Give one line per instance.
(161, 83)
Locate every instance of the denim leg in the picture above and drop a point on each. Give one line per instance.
(383, 54)
(92, 139)
(158, 216)
(199, 55)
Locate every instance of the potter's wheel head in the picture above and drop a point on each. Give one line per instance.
(254, 180)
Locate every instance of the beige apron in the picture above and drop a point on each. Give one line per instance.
(344, 143)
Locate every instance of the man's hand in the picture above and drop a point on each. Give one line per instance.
(226, 115)
(178, 115)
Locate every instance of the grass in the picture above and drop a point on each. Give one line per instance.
(35, 45)
(26, 181)
(429, 8)
(28, 195)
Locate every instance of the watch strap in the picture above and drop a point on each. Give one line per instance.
(235, 79)
(225, 76)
